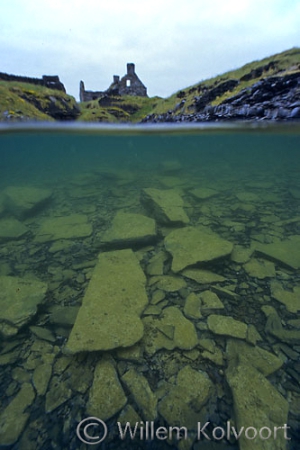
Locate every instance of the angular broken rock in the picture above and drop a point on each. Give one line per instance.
(166, 205)
(189, 246)
(227, 326)
(23, 201)
(66, 227)
(257, 404)
(106, 395)
(113, 303)
(130, 229)
(285, 252)
(11, 229)
(19, 298)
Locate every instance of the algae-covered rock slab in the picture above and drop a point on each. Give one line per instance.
(291, 300)
(106, 395)
(285, 252)
(183, 404)
(203, 276)
(19, 298)
(66, 227)
(190, 246)
(257, 404)
(23, 201)
(11, 229)
(113, 303)
(227, 326)
(14, 418)
(166, 205)
(260, 269)
(170, 331)
(143, 396)
(130, 229)
(203, 193)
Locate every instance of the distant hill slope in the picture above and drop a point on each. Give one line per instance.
(217, 90)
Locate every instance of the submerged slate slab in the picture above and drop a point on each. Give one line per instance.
(113, 303)
(189, 246)
(19, 298)
(11, 229)
(286, 252)
(66, 227)
(23, 200)
(129, 229)
(166, 205)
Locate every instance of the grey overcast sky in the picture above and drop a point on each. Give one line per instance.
(173, 43)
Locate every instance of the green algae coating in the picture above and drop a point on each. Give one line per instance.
(110, 313)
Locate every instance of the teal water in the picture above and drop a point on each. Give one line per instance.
(252, 174)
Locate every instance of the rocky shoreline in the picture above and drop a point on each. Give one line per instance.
(275, 98)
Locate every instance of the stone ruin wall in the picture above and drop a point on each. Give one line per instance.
(49, 81)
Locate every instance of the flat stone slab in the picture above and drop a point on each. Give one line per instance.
(130, 229)
(170, 331)
(291, 299)
(285, 252)
(66, 227)
(11, 229)
(203, 193)
(106, 394)
(203, 276)
(189, 246)
(260, 269)
(19, 298)
(23, 201)
(113, 303)
(227, 326)
(166, 205)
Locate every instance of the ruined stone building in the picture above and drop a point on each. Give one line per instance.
(129, 84)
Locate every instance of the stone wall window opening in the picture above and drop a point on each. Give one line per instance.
(128, 83)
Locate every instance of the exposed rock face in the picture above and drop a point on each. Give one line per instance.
(274, 98)
(19, 298)
(189, 246)
(129, 229)
(23, 201)
(110, 313)
(166, 205)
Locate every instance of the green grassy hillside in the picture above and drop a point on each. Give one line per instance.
(26, 101)
(279, 64)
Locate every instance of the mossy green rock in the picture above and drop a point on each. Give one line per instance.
(170, 331)
(129, 229)
(106, 396)
(256, 404)
(145, 399)
(19, 298)
(13, 419)
(183, 404)
(227, 326)
(166, 205)
(285, 252)
(291, 299)
(113, 303)
(189, 246)
(11, 229)
(66, 227)
(23, 201)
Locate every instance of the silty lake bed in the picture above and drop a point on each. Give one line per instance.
(150, 276)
